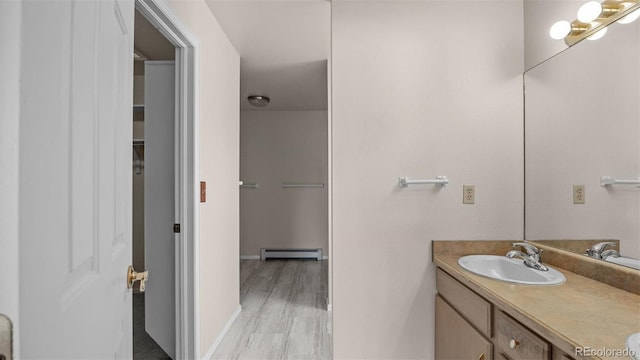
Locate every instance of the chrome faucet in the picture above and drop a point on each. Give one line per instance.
(531, 258)
(600, 251)
(610, 252)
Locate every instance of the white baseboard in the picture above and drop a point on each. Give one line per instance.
(224, 331)
(257, 257)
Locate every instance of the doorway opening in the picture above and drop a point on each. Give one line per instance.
(285, 179)
(153, 192)
(165, 242)
(284, 228)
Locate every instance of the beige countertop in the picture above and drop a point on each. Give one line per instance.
(579, 313)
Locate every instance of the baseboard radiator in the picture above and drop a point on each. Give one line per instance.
(315, 254)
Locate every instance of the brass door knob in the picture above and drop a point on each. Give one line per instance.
(133, 276)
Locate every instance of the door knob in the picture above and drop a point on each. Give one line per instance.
(6, 338)
(133, 276)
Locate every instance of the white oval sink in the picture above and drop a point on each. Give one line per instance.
(633, 344)
(510, 270)
(625, 261)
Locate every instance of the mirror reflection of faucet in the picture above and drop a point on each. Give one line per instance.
(611, 252)
(600, 250)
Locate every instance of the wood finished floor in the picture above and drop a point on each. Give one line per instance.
(284, 312)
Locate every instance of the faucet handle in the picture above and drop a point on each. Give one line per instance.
(531, 250)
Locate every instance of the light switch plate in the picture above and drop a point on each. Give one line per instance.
(468, 194)
(203, 191)
(578, 194)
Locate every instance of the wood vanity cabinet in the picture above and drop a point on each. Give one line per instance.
(514, 341)
(463, 321)
(470, 327)
(456, 338)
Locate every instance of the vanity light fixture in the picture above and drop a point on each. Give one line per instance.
(598, 35)
(560, 29)
(589, 12)
(593, 18)
(563, 28)
(630, 18)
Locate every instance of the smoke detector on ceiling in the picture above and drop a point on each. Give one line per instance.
(258, 100)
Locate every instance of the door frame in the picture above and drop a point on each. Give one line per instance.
(10, 39)
(158, 13)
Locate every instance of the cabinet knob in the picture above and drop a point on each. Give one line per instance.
(513, 343)
(481, 357)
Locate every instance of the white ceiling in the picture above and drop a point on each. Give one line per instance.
(283, 46)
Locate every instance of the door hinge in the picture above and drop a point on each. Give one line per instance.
(176, 228)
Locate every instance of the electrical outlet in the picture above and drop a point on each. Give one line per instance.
(468, 194)
(578, 194)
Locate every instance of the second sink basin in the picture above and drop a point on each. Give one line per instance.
(633, 344)
(510, 270)
(625, 261)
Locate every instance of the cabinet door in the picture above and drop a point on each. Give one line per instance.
(557, 354)
(456, 339)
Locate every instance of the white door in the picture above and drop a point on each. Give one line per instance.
(160, 210)
(75, 179)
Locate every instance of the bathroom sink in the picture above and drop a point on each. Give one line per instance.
(510, 270)
(633, 344)
(625, 261)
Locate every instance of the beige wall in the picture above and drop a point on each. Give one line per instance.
(277, 147)
(419, 89)
(219, 116)
(539, 16)
(583, 123)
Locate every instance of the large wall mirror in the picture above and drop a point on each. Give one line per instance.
(582, 122)
(539, 16)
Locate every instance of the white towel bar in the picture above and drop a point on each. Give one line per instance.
(438, 181)
(608, 180)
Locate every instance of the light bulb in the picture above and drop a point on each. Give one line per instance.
(560, 30)
(598, 35)
(589, 12)
(630, 17)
